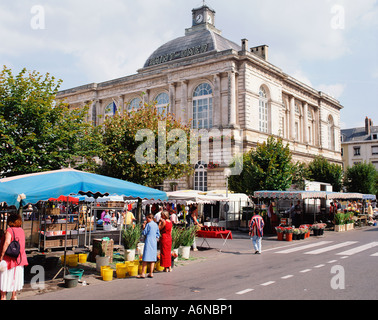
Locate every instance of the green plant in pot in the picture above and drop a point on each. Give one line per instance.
(187, 237)
(130, 238)
(176, 238)
(339, 219)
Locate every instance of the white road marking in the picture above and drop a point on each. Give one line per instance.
(267, 283)
(287, 277)
(330, 248)
(319, 266)
(332, 261)
(358, 249)
(244, 291)
(306, 270)
(311, 245)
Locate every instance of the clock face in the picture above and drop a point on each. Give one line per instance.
(199, 18)
(209, 19)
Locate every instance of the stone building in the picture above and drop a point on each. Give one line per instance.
(360, 145)
(226, 86)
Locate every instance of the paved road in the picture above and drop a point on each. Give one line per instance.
(337, 266)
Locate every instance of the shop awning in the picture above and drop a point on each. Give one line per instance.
(193, 196)
(290, 195)
(301, 195)
(41, 186)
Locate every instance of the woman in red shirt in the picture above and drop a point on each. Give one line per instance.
(12, 279)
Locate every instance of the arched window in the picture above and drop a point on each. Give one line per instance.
(162, 101)
(263, 110)
(331, 133)
(203, 107)
(200, 176)
(134, 104)
(110, 110)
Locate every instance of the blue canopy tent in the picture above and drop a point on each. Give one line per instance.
(19, 191)
(31, 188)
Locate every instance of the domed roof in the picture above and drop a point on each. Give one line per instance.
(196, 41)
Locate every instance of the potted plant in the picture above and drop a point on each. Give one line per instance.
(339, 222)
(315, 228)
(187, 237)
(296, 233)
(279, 231)
(176, 234)
(289, 233)
(349, 222)
(102, 259)
(130, 237)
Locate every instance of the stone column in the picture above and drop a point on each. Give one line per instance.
(231, 99)
(292, 118)
(305, 123)
(120, 104)
(217, 122)
(185, 113)
(172, 98)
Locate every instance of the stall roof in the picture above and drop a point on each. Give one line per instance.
(290, 195)
(194, 196)
(300, 195)
(31, 188)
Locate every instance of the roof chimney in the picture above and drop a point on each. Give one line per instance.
(368, 125)
(261, 51)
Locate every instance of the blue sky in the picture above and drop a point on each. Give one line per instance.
(331, 45)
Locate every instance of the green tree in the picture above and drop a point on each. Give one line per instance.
(146, 159)
(36, 132)
(320, 169)
(269, 167)
(362, 178)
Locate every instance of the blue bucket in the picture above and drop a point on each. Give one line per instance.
(77, 272)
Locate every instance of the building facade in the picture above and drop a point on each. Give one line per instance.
(360, 145)
(219, 84)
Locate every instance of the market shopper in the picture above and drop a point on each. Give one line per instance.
(152, 234)
(256, 230)
(165, 227)
(12, 279)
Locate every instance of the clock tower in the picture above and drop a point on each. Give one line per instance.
(203, 15)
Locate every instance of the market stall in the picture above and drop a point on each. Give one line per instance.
(19, 191)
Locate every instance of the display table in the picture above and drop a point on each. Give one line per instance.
(214, 233)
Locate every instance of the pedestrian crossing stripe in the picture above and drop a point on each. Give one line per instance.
(308, 246)
(327, 247)
(358, 249)
(330, 248)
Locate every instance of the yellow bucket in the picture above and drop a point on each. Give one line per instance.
(121, 272)
(133, 270)
(83, 257)
(158, 267)
(120, 265)
(104, 268)
(107, 274)
(72, 261)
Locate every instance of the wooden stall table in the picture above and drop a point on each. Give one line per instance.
(362, 217)
(214, 233)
